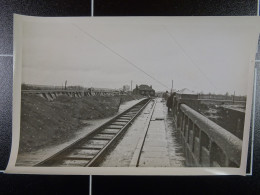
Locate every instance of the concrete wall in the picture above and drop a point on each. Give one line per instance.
(205, 143)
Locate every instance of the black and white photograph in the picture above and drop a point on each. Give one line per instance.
(133, 95)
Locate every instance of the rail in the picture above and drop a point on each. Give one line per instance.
(91, 149)
(206, 143)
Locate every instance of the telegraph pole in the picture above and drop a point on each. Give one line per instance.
(234, 97)
(131, 84)
(65, 84)
(172, 87)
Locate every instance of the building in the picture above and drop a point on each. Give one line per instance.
(126, 88)
(144, 90)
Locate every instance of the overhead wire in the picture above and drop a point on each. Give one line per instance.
(116, 53)
(189, 57)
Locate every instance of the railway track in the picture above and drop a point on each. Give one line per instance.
(90, 150)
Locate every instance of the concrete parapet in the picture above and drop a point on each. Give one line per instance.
(205, 142)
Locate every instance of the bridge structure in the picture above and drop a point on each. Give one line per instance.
(51, 94)
(205, 143)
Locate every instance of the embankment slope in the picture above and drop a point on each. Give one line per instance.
(46, 123)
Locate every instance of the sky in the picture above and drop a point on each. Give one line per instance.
(202, 54)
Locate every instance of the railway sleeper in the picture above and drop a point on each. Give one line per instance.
(73, 163)
(125, 118)
(122, 120)
(132, 112)
(96, 142)
(115, 126)
(78, 158)
(101, 135)
(89, 147)
(92, 146)
(119, 123)
(82, 152)
(101, 138)
(110, 131)
(127, 115)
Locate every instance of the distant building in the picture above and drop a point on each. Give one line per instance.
(126, 88)
(186, 91)
(144, 90)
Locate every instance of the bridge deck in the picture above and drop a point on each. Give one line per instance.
(161, 146)
(155, 150)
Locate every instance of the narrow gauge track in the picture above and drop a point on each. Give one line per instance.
(90, 150)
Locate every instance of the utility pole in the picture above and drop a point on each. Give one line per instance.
(234, 97)
(65, 84)
(131, 84)
(172, 87)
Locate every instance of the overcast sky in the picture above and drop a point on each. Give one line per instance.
(209, 55)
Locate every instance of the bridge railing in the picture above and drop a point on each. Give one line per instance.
(215, 97)
(221, 97)
(210, 97)
(206, 143)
